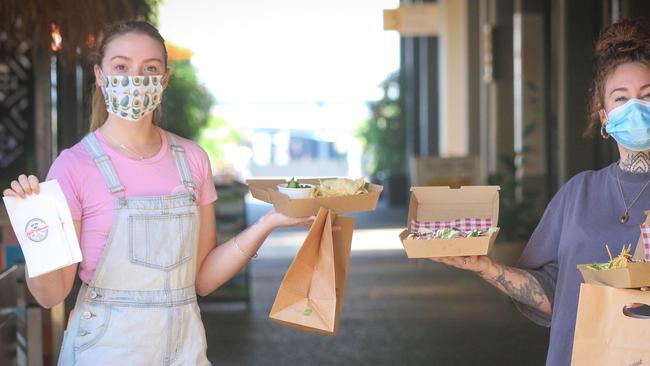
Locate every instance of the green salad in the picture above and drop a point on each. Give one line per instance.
(293, 183)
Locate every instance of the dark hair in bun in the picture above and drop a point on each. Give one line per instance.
(620, 43)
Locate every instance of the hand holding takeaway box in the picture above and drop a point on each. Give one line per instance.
(43, 225)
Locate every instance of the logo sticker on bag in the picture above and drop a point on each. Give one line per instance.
(36, 230)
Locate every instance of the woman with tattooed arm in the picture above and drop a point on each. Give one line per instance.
(594, 207)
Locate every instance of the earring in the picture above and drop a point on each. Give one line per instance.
(603, 133)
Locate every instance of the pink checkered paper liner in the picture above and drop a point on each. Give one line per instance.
(645, 234)
(466, 224)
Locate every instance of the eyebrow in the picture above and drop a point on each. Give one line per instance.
(625, 89)
(149, 59)
(159, 60)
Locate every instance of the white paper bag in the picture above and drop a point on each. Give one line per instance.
(44, 228)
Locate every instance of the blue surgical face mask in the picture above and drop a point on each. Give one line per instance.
(629, 124)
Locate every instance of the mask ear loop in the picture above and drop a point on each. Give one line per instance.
(105, 80)
(604, 133)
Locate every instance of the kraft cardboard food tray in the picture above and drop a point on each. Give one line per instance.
(266, 190)
(445, 203)
(635, 275)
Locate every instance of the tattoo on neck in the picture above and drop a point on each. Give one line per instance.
(638, 162)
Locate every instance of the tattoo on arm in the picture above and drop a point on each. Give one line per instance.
(521, 286)
(636, 162)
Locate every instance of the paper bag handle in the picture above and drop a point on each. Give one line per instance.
(619, 300)
(637, 311)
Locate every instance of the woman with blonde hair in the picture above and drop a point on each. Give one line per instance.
(142, 200)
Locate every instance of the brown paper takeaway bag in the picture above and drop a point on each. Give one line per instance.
(310, 296)
(606, 334)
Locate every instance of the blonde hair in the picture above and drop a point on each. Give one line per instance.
(98, 112)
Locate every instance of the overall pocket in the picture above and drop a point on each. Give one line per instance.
(161, 241)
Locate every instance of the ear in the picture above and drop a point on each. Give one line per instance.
(99, 80)
(166, 76)
(603, 116)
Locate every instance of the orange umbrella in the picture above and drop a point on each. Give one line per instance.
(177, 53)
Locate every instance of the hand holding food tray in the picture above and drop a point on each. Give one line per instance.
(448, 222)
(307, 196)
(310, 297)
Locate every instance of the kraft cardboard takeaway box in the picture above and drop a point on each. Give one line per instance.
(449, 205)
(635, 275)
(267, 190)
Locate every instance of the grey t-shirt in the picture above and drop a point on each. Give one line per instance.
(581, 218)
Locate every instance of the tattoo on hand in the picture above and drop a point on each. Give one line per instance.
(529, 292)
(638, 162)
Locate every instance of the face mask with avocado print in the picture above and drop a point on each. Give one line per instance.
(131, 97)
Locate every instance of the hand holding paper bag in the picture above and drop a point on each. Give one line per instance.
(22, 186)
(44, 228)
(310, 296)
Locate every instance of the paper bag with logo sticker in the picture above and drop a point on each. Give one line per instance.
(44, 228)
(607, 331)
(310, 296)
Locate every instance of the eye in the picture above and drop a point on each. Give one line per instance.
(119, 67)
(620, 99)
(647, 96)
(152, 69)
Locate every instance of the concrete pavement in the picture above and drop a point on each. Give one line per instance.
(397, 311)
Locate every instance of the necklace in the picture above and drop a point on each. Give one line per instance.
(626, 215)
(126, 148)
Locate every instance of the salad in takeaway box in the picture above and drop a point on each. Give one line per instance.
(625, 270)
(304, 197)
(445, 221)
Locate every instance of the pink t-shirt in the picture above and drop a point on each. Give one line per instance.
(91, 202)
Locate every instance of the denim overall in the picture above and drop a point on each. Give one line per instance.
(140, 306)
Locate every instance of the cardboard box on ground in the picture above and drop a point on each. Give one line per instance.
(446, 204)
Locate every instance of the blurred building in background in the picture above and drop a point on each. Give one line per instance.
(506, 82)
